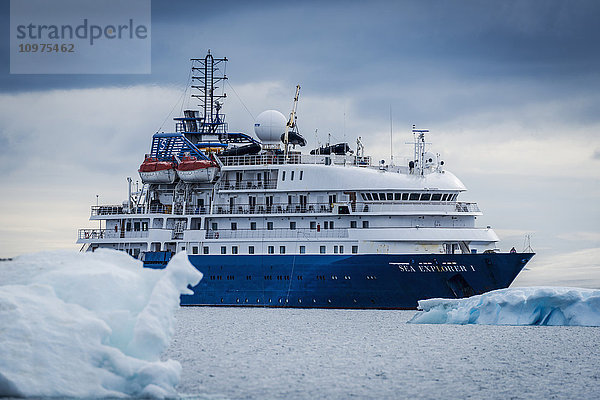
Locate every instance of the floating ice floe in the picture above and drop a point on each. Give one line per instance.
(515, 306)
(89, 325)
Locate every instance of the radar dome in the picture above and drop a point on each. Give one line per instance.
(269, 126)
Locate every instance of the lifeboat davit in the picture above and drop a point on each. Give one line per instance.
(154, 171)
(190, 169)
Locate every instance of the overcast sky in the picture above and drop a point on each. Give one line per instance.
(510, 91)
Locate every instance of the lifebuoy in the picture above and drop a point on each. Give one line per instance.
(87, 235)
(116, 229)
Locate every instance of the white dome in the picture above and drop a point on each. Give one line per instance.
(269, 126)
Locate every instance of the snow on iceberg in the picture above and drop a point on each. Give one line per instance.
(89, 324)
(515, 306)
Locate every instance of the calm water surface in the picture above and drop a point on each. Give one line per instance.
(256, 353)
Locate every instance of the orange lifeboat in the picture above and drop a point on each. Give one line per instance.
(154, 171)
(191, 169)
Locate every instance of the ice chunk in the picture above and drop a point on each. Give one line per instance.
(89, 324)
(515, 306)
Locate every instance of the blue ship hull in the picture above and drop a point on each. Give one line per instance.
(345, 281)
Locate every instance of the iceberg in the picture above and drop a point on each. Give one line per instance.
(515, 306)
(89, 324)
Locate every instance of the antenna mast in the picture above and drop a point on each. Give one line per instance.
(419, 148)
(207, 86)
(391, 139)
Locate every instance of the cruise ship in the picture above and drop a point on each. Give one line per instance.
(271, 226)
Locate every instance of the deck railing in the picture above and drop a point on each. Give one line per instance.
(249, 184)
(285, 208)
(110, 234)
(295, 158)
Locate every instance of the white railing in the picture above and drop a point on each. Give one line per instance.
(295, 158)
(110, 234)
(284, 208)
(248, 185)
(417, 206)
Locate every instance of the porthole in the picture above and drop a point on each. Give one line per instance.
(299, 300)
(355, 301)
(221, 299)
(329, 300)
(258, 300)
(246, 300)
(314, 300)
(237, 300)
(280, 300)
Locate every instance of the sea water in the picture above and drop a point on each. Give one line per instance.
(258, 353)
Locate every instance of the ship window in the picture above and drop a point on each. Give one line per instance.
(397, 196)
(292, 225)
(436, 197)
(136, 226)
(313, 224)
(390, 196)
(223, 250)
(144, 226)
(269, 226)
(322, 249)
(234, 249)
(425, 196)
(414, 196)
(363, 196)
(271, 249)
(301, 173)
(404, 196)
(341, 249)
(205, 249)
(292, 177)
(330, 224)
(283, 176)
(302, 249)
(445, 197)
(234, 226)
(194, 249)
(365, 224)
(326, 225)
(382, 196)
(335, 249)
(214, 226)
(369, 197)
(375, 196)
(128, 226)
(250, 249)
(281, 249)
(352, 224)
(252, 226)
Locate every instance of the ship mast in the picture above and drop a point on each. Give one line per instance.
(208, 80)
(419, 149)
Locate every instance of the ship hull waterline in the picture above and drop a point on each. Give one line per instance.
(375, 281)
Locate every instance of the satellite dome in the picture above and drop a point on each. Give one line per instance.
(269, 126)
